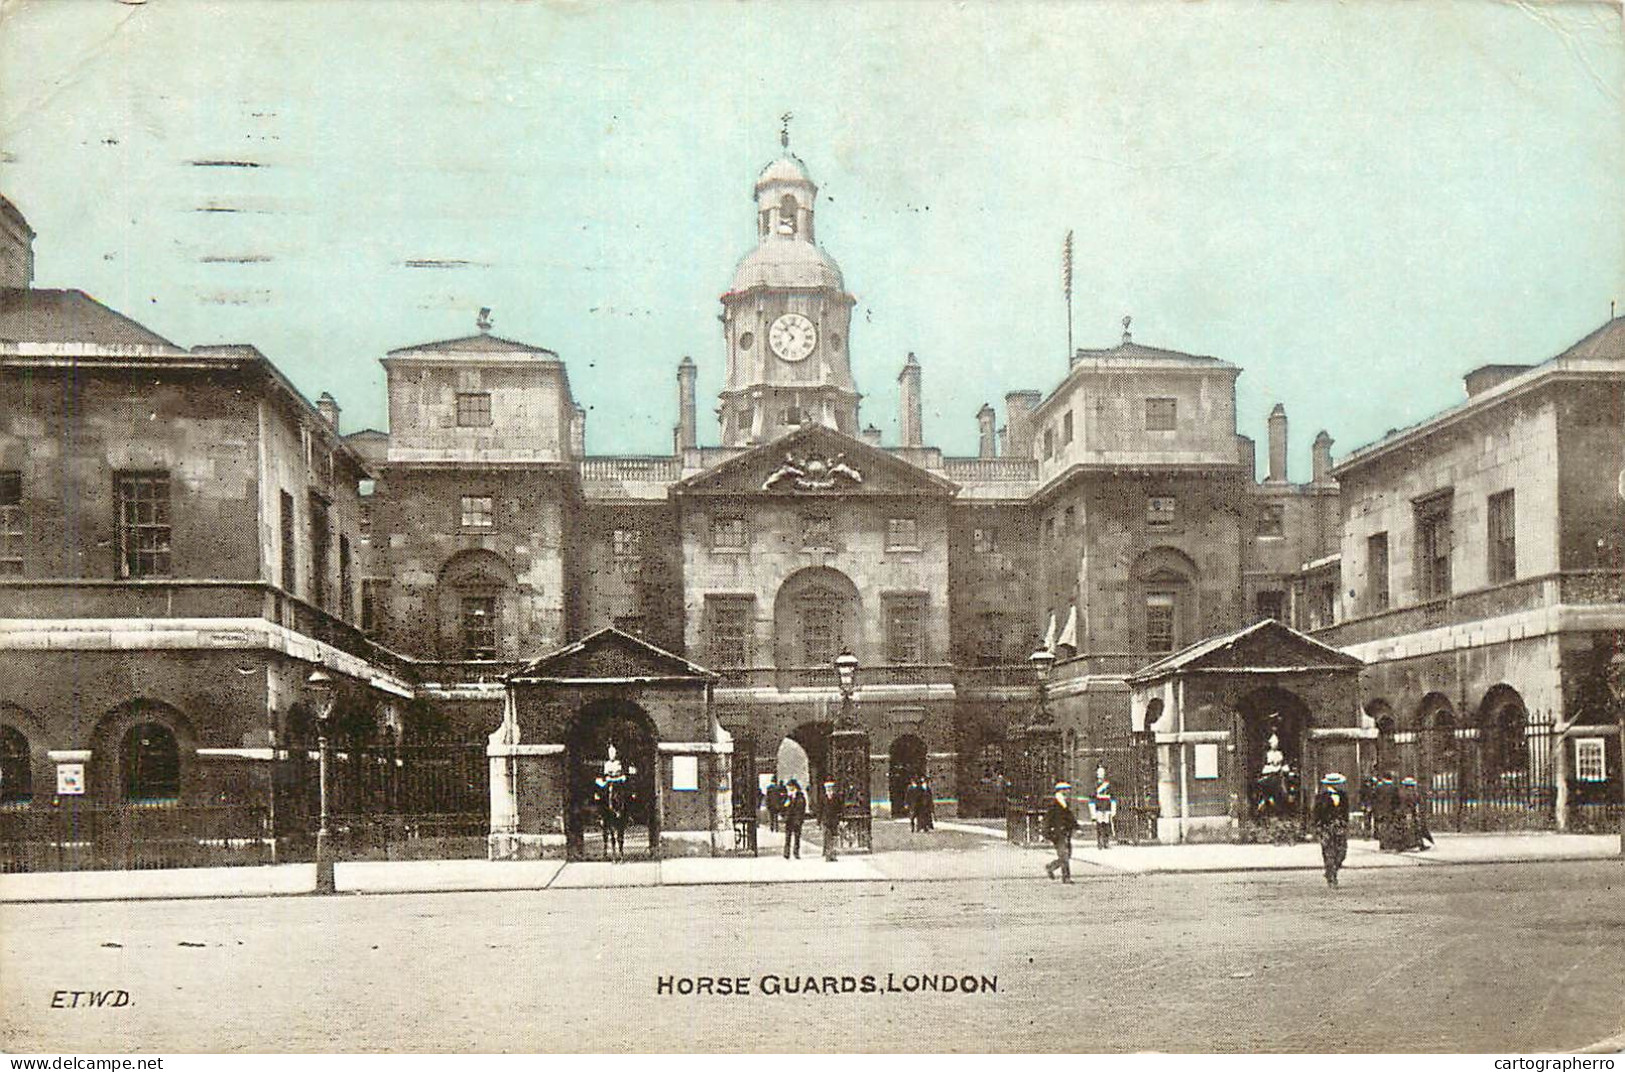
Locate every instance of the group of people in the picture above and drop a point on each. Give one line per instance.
(1060, 822)
(1398, 818)
(787, 804)
(920, 801)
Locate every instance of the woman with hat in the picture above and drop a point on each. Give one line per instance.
(1331, 818)
(1412, 819)
(1059, 822)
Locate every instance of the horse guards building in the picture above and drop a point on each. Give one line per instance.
(185, 539)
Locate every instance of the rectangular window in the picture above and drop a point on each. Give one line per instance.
(1503, 538)
(728, 534)
(1161, 511)
(1066, 428)
(1161, 414)
(479, 627)
(1069, 519)
(1269, 605)
(1590, 759)
(728, 630)
(320, 543)
(1376, 578)
(1271, 521)
(12, 527)
(290, 548)
(817, 532)
(1433, 538)
(902, 534)
(143, 524)
(478, 512)
(374, 590)
(905, 630)
(346, 587)
(473, 409)
(984, 541)
(820, 631)
(1323, 611)
(627, 547)
(1049, 443)
(1160, 634)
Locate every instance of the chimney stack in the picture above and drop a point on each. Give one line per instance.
(328, 407)
(578, 432)
(1277, 422)
(687, 431)
(909, 402)
(985, 444)
(1019, 406)
(1321, 456)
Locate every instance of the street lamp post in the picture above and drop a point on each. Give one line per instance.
(849, 758)
(321, 683)
(1040, 755)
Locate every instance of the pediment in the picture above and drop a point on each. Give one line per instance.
(1267, 646)
(816, 461)
(609, 655)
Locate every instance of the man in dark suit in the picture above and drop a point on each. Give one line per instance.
(829, 817)
(1059, 822)
(794, 811)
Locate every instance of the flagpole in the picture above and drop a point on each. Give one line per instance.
(1066, 285)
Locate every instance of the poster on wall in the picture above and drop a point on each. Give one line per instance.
(70, 779)
(685, 772)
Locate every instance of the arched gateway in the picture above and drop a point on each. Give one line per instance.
(611, 758)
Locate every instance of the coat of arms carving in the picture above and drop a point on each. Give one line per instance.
(813, 473)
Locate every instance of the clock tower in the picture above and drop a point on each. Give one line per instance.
(785, 321)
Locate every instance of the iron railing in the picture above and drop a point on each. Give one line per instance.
(127, 837)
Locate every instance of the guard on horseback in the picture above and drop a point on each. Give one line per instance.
(614, 803)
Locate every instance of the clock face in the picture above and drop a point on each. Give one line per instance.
(792, 337)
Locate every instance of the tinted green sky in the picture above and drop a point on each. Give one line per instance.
(1356, 202)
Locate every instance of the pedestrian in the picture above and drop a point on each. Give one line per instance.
(775, 803)
(1059, 822)
(795, 813)
(1386, 813)
(926, 801)
(911, 804)
(829, 817)
(1102, 809)
(1413, 818)
(1331, 818)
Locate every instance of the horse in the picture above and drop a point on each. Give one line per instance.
(1276, 794)
(614, 814)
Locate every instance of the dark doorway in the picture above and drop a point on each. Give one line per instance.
(905, 763)
(601, 726)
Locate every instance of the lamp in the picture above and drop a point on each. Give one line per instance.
(1041, 661)
(322, 686)
(846, 669)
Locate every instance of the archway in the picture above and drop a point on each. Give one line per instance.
(1274, 724)
(627, 728)
(1439, 761)
(804, 756)
(16, 767)
(141, 754)
(1504, 747)
(473, 605)
(904, 763)
(150, 764)
(815, 616)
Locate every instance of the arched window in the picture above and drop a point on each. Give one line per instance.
(1501, 727)
(473, 592)
(150, 762)
(787, 215)
(815, 615)
(1165, 612)
(16, 767)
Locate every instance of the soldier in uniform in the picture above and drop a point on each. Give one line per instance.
(1331, 818)
(1102, 809)
(1059, 822)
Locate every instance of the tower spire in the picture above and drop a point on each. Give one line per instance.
(784, 131)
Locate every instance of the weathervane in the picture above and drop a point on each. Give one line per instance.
(784, 130)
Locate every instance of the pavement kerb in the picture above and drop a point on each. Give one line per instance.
(1086, 868)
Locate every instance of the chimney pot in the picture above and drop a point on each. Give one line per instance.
(328, 407)
(1278, 455)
